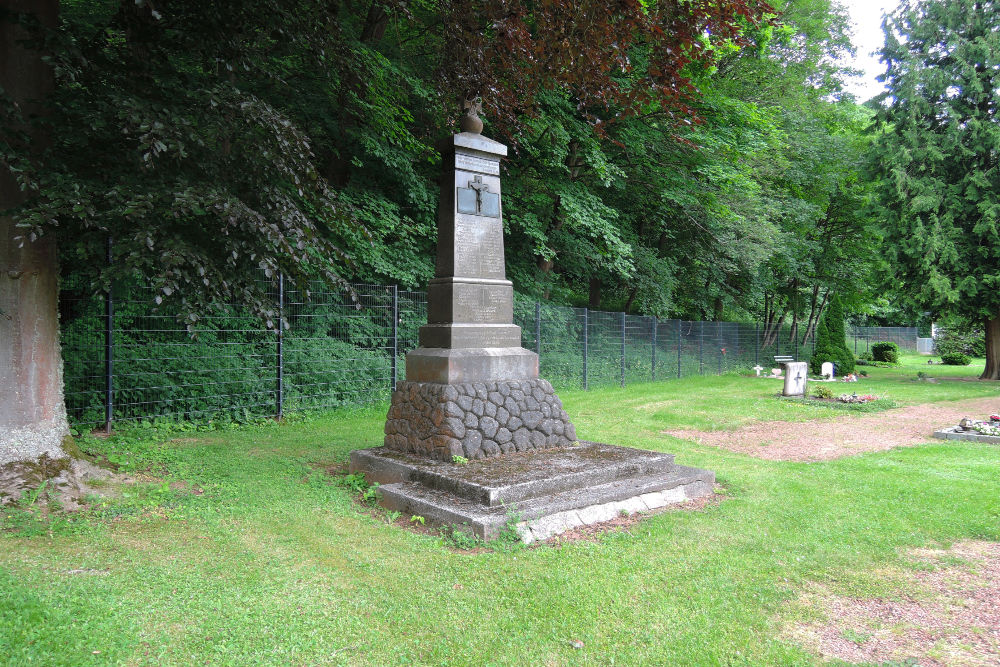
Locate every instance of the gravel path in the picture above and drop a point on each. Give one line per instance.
(826, 439)
(949, 614)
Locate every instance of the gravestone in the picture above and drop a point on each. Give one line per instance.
(826, 370)
(471, 390)
(473, 433)
(795, 378)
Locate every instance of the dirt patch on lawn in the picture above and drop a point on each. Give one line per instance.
(826, 439)
(949, 615)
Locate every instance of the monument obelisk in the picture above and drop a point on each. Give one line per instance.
(471, 389)
(472, 392)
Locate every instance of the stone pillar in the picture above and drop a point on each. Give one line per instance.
(471, 389)
(470, 335)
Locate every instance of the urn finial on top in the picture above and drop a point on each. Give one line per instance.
(470, 121)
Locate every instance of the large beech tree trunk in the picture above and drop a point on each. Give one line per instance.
(992, 370)
(33, 427)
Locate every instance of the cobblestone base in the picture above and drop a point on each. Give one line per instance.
(477, 420)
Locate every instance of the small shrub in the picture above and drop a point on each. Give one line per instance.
(865, 356)
(823, 392)
(959, 335)
(877, 364)
(955, 359)
(885, 351)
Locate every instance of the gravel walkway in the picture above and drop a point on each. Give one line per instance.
(825, 439)
(949, 614)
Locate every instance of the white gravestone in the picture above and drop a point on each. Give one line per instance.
(795, 378)
(826, 370)
(757, 369)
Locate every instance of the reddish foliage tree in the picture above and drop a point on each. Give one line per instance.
(614, 58)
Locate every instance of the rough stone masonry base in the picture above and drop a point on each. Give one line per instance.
(476, 420)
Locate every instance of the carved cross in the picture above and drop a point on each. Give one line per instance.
(480, 187)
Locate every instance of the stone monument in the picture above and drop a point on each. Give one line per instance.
(471, 390)
(795, 378)
(473, 432)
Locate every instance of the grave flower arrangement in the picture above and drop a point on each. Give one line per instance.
(854, 398)
(850, 377)
(982, 428)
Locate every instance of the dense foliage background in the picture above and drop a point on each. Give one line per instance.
(677, 159)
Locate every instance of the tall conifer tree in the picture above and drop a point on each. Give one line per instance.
(831, 340)
(937, 158)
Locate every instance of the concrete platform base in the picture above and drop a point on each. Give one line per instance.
(957, 433)
(545, 493)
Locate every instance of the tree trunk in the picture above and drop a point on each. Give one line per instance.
(375, 23)
(33, 426)
(772, 330)
(992, 370)
(594, 302)
(631, 299)
(814, 315)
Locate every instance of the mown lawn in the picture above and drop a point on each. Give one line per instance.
(273, 562)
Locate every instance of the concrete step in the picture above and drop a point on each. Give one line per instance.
(514, 478)
(544, 516)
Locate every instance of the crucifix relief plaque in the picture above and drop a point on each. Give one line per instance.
(476, 199)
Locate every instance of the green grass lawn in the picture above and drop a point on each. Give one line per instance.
(274, 563)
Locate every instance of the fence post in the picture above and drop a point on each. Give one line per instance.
(680, 335)
(109, 347)
(622, 371)
(653, 360)
(701, 348)
(538, 328)
(279, 388)
(395, 335)
(736, 345)
(795, 333)
(585, 341)
(756, 344)
(718, 349)
(855, 333)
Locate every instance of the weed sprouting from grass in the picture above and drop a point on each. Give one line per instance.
(509, 537)
(460, 537)
(357, 483)
(856, 637)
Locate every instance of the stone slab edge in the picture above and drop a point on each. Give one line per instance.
(954, 434)
(385, 470)
(560, 522)
(686, 484)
